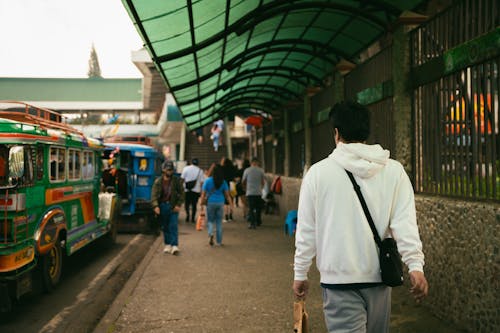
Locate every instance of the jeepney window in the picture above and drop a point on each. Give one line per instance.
(16, 163)
(125, 159)
(20, 165)
(39, 163)
(143, 164)
(28, 165)
(57, 164)
(88, 168)
(4, 158)
(74, 164)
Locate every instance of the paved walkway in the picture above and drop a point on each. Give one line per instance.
(243, 286)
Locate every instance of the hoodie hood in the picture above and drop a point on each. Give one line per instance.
(361, 159)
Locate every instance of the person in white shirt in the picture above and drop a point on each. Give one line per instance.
(333, 228)
(192, 173)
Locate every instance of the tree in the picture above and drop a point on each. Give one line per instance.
(94, 68)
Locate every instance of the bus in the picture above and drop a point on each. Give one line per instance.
(134, 168)
(51, 202)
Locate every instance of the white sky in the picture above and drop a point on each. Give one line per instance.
(53, 38)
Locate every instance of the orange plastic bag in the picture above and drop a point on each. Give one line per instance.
(200, 221)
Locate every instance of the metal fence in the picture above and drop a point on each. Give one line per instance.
(456, 114)
(370, 83)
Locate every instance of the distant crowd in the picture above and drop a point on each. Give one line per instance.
(208, 197)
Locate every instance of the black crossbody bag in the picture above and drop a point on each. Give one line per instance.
(391, 265)
(192, 183)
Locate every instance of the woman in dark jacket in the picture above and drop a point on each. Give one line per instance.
(229, 172)
(240, 191)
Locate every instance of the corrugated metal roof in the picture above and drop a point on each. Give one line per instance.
(224, 57)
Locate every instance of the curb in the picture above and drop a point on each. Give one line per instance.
(114, 311)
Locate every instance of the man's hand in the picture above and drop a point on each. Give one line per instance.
(176, 209)
(300, 288)
(419, 287)
(157, 210)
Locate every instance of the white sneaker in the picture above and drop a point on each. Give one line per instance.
(167, 249)
(175, 250)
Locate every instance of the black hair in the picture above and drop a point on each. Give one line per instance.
(218, 176)
(352, 120)
(246, 164)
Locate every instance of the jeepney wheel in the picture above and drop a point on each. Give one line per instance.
(5, 301)
(51, 267)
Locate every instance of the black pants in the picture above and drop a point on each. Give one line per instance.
(190, 204)
(254, 209)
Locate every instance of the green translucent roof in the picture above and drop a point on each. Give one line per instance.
(225, 57)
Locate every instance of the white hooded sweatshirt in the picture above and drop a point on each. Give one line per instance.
(332, 225)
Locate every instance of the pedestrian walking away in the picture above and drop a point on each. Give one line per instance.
(215, 190)
(253, 181)
(216, 133)
(167, 197)
(240, 191)
(333, 228)
(229, 171)
(193, 177)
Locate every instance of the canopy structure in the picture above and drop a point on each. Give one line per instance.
(225, 57)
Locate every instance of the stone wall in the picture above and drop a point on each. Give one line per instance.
(289, 198)
(461, 245)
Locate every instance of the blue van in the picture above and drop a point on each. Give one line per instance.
(130, 170)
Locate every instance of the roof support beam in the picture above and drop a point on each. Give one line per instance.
(284, 94)
(238, 99)
(266, 71)
(260, 106)
(276, 88)
(244, 56)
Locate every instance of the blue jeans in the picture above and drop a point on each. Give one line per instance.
(215, 137)
(169, 221)
(214, 216)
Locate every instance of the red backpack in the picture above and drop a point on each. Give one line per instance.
(276, 185)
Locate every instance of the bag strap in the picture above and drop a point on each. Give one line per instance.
(357, 189)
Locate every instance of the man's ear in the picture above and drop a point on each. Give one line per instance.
(336, 135)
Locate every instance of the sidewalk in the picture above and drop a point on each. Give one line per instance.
(243, 286)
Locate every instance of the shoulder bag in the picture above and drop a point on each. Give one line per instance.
(191, 184)
(391, 266)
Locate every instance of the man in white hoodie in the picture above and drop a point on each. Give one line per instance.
(333, 227)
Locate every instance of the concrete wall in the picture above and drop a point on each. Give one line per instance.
(460, 240)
